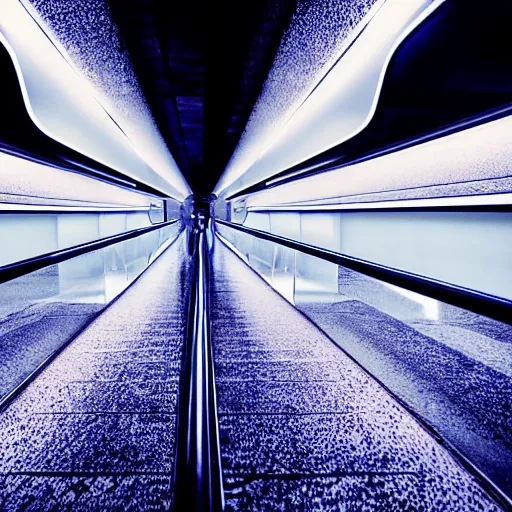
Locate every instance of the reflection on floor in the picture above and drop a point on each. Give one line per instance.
(303, 427)
(450, 363)
(95, 431)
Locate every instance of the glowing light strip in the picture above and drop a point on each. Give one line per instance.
(504, 199)
(12, 207)
(25, 181)
(63, 105)
(447, 130)
(476, 154)
(258, 141)
(100, 173)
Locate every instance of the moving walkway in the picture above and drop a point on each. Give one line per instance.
(283, 286)
(116, 421)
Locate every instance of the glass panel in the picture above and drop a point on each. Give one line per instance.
(315, 279)
(26, 236)
(276, 264)
(283, 271)
(42, 310)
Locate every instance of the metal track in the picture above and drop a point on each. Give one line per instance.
(198, 474)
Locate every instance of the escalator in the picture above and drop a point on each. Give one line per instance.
(96, 429)
(303, 427)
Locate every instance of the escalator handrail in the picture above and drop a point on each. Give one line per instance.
(21, 268)
(481, 303)
(198, 472)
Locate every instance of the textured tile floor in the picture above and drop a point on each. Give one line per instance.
(303, 427)
(96, 430)
(28, 337)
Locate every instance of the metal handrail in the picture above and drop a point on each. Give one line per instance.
(21, 268)
(481, 303)
(198, 473)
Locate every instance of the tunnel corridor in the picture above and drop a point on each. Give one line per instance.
(255, 256)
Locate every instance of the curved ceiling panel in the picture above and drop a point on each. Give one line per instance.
(67, 108)
(318, 34)
(340, 106)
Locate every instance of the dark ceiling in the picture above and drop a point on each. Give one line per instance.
(201, 66)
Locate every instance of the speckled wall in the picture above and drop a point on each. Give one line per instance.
(318, 33)
(88, 37)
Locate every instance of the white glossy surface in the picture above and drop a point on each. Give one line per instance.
(64, 106)
(477, 154)
(470, 200)
(23, 182)
(29, 235)
(468, 249)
